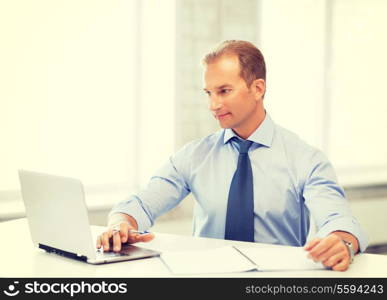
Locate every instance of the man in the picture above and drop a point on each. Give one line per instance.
(252, 181)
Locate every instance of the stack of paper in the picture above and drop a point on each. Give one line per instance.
(230, 259)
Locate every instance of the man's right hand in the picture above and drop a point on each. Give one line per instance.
(120, 232)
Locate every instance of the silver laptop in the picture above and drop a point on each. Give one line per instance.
(59, 223)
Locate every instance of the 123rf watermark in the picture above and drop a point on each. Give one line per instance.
(335, 289)
(71, 289)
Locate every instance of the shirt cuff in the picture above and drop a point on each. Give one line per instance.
(347, 224)
(133, 207)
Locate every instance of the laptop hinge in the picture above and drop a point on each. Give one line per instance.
(62, 252)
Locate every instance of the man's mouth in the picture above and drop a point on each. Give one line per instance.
(222, 116)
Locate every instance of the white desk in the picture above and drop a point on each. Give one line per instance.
(21, 259)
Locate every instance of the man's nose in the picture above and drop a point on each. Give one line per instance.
(215, 103)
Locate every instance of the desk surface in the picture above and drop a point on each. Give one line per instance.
(21, 259)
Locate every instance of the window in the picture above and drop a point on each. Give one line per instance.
(87, 91)
(326, 79)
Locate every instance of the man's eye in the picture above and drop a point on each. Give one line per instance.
(225, 91)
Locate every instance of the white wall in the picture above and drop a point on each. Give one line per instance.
(87, 90)
(67, 89)
(292, 39)
(358, 102)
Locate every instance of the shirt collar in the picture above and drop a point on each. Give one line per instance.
(262, 135)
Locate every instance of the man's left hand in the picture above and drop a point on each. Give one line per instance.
(330, 251)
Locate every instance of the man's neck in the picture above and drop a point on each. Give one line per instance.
(244, 133)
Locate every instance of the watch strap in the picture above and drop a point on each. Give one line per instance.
(350, 250)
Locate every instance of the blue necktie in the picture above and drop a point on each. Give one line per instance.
(240, 207)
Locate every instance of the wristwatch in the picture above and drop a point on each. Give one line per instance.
(350, 250)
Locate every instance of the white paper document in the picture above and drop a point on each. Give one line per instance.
(230, 259)
(217, 260)
(281, 258)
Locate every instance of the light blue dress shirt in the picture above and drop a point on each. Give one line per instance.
(292, 181)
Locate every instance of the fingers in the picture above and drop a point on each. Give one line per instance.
(330, 251)
(336, 248)
(112, 239)
(312, 243)
(136, 237)
(342, 266)
(116, 241)
(145, 237)
(324, 245)
(124, 228)
(132, 235)
(335, 259)
(105, 240)
(110, 235)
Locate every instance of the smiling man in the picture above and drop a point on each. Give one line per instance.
(252, 180)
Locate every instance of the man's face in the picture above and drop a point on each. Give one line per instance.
(232, 103)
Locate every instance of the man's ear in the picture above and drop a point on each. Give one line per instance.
(259, 88)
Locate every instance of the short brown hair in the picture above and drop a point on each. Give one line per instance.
(251, 60)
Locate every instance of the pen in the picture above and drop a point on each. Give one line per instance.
(116, 228)
(139, 232)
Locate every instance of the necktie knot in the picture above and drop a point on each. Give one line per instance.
(244, 146)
